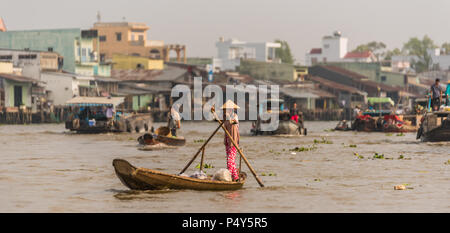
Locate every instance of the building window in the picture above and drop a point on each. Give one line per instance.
(6, 57)
(383, 78)
(102, 57)
(28, 56)
(326, 46)
(83, 52)
(141, 37)
(118, 36)
(50, 49)
(132, 37)
(102, 38)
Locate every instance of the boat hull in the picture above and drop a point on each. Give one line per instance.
(149, 139)
(436, 135)
(147, 179)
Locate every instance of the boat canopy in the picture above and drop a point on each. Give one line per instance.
(95, 101)
(378, 100)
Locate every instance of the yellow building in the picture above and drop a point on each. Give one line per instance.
(6, 67)
(126, 62)
(131, 39)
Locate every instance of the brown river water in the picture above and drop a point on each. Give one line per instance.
(44, 168)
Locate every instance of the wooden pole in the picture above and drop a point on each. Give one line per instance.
(201, 148)
(201, 161)
(240, 151)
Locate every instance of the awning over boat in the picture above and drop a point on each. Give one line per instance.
(95, 101)
(378, 100)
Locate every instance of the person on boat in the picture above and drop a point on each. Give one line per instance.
(174, 121)
(357, 111)
(294, 113)
(436, 95)
(109, 115)
(447, 94)
(232, 125)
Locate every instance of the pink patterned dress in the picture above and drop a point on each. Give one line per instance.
(233, 129)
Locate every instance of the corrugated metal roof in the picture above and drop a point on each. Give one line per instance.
(95, 101)
(18, 78)
(360, 78)
(300, 93)
(170, 73)
(335, 85)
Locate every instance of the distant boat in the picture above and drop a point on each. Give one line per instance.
(161, 135)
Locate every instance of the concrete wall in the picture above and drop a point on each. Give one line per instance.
(126, 62)
(141, 101)
(6, 67)
(61, 86)
(229, 52)
(267, 71)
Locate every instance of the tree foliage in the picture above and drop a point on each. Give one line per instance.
(390, 53)
(284, 52)
(377, 48)
(419, 48)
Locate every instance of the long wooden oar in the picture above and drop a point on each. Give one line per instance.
(201, 148)
(239, 150)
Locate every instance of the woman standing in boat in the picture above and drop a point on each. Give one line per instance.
(232, 125)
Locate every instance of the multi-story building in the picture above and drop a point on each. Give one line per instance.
(75, 45)
(131, 39)
(32, 62)
(230, 52)
(334, 49)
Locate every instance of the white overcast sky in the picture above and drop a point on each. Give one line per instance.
(199, 23)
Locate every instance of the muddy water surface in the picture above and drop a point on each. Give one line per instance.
(46, 169)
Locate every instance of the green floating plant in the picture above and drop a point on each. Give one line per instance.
(323, 141)
(206, 166)
(358, 155)
(378, 156)
(302, 149)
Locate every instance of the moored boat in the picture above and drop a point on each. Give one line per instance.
(435, 127)
(89, 116)
(147, 179)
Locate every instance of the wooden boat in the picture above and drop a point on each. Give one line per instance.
(384, 122)
(161, 135)
(147, 179)
(435, 127)
(342, 126)
(83, 120)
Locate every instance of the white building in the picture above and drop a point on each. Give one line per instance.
(334, 49)
(61, 87)
(230, 52)
(402, 63)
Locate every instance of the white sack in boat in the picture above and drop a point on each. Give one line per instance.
(199, 175)
(222, 175)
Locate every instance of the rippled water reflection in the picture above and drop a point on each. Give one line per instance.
(46, 169)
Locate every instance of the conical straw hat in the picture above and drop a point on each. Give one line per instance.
(230, 104)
